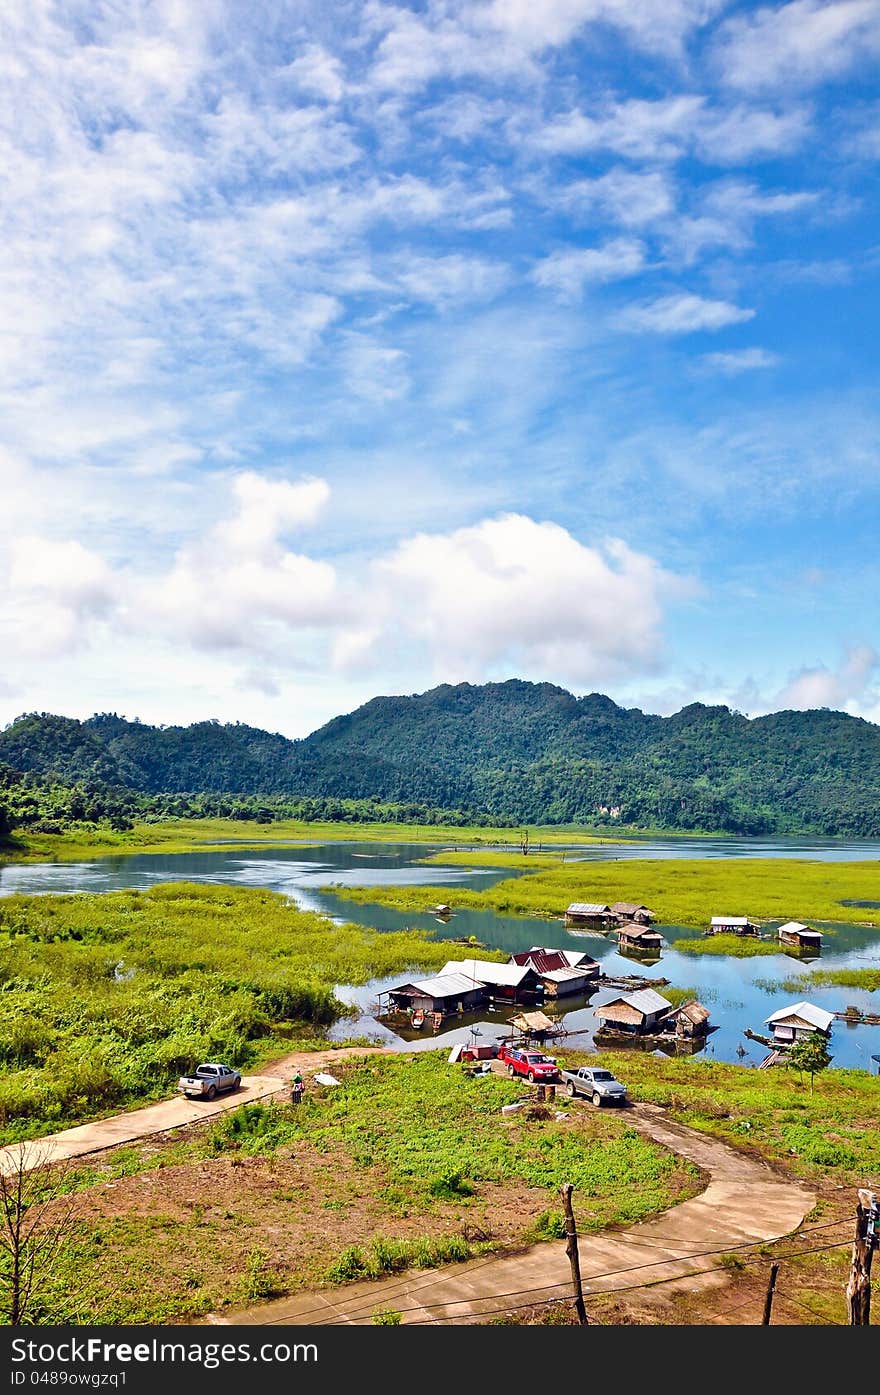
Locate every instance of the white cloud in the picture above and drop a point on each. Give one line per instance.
(670, 128)
(569, 270)
(682, 314)
(799, 44)
(632, 199)
(227, 590)
(850, 687)
(514, 591)
(318, 73)
(739, 361)
(55, 591)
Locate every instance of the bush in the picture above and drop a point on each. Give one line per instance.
(550, 1225)
(386, 1317)
(449, 1184)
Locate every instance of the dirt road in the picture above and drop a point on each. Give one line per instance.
(744, 1202)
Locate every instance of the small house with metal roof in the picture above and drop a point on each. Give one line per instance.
(800, 936)
(790, 1024)
(445, 993)
(732, 925)
(590, 915)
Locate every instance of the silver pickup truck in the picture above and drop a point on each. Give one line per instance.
(600, 1085)
(208, 1080)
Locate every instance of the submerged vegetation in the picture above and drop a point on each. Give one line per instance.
(105, 1000)
(681, 891)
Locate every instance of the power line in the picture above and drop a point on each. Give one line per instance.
(593, 1293)
(401, 1287)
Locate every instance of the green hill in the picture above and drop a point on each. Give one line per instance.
(526, 751)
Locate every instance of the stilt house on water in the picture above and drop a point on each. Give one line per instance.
(640, 938)
(791, 1024)
(801, 936)
(516, 983)
(561, 971)
(590, 915)
(636, 1014)
(689, 1020)
(732, 925)
(629, 911)
(447, 993)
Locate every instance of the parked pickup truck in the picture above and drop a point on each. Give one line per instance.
(207, 1081)
(600, 1085)
(534, 1065)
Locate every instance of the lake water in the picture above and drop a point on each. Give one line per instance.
(738, 992)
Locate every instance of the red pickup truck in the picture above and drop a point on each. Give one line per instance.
(534, 1065)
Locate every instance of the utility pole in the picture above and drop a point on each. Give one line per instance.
(768, 1301)
(571, 1249)
(858, 1289)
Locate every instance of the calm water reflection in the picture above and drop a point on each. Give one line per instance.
(738, 992)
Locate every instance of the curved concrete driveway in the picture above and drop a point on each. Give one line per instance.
(138, 1123)
(169, 1114)
(745, 1202)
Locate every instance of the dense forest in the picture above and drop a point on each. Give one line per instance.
(503, 752)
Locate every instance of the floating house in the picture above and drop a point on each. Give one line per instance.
(443, 911)
(561, 971)
(732, 925)
(590, 915)
(801, 1020)
(516, 983)
(629, 911)
(689, 1021)
(447, 993)
(639, 938)
(635, 1014)
(801, 936)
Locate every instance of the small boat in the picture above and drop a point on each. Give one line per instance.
(418, 1017)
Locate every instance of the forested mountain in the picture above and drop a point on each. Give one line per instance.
(514, 750)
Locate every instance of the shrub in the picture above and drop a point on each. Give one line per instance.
(450, 1184)
(386, 1317)
(550, 1225)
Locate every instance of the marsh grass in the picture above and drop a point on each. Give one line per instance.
(209, 972)
(682, 891)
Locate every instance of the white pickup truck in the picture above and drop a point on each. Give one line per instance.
(208, 1080)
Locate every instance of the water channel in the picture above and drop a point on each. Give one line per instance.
(738, 992)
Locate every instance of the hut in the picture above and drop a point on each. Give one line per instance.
(562, 972)
(449, 992)
(636, 1014)
(443, 912)
(689, 1020)
(801, 1020)
(639, 938)
(732, 925)
(801, 936)
(516, 983)
(590, 915)
(536, 1026)
(629, 911)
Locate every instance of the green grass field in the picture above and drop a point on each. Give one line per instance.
(681, 891)
(187, 835)
(408, 1163)
(106, 999)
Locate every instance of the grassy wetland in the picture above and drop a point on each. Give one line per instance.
(106, 999)
(681, 891)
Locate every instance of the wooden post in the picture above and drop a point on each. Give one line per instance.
(858, 1289)
(768, 1301)
(571, 1249)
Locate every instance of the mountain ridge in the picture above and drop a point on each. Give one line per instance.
(530, 751)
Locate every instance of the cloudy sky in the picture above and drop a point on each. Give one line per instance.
(351, 348)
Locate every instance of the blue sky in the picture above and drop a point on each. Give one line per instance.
(350, 349)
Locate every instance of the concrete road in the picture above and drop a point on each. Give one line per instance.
(744, 1202)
